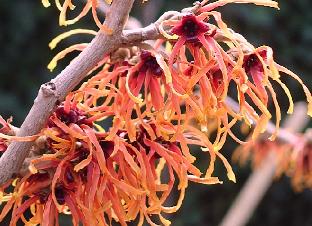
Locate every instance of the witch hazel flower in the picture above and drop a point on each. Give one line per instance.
(194, 35)
(208, 72)
(91, 177)
(5, 129)
(140, 86)
(260, 68)
(161, 100)
(191, 33)
(146, 73)
(211, 70)
(298, 162)
(293, 157)
(68, 5)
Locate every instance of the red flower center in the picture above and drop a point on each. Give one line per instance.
(190, 27)
(60, 194)
(108, 147)
(73, 116)
(149, 62)
(252, 61)
(43, 195)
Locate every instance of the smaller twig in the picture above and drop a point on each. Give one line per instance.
(150, 32)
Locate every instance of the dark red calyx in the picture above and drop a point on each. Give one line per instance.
(143, 134)
(121, 64)
(139, 143)
(216, 79)
(149, 62)
(69, 176)
(74, 115)
(190, 27)
(252, 61)
(306, 158)
(83, 153)
(38, 177)
(107, 147)
(43, 195)
(83, 173)
(189, 70)
(60, 194)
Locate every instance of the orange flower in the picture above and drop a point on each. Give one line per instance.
(300, 163)
(199, 64)
(148, 72)
(293, 157)
(161, 100)
(69, 5)
(93, 174)
(5, 129)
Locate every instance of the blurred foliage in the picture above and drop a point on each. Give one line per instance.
(26, 29)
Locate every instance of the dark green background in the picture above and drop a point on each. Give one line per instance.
(26, 29)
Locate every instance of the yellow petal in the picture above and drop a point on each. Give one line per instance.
(63, 53)
(46, 3)
(230, 173)
(67, 34)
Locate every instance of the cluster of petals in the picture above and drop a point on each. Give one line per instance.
(293, 157)
(99, 177)
(160, 99)
(5, 129)
(192, 74)
(68, 5)
(204, 71)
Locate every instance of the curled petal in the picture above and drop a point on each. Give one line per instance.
(67, 34)
(63, 53)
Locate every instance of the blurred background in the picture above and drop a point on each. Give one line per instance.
(26, 28)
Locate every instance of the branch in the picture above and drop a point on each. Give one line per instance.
(150, 32)
(260, 180)
(53, 92)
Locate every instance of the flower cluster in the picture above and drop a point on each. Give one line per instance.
(6, 130)
(68, 5)
(98, 176)
(293, 157)
(161, 99)
(212, 70)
